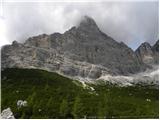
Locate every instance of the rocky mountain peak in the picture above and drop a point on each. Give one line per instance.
(145, 46)
(14, 42)
(87, 21)
(148, 53)
(88, 24)
(156, 46)
(82, 51)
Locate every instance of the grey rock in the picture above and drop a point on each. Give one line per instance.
(147, 53)
(155, 47)
(81, 51)
(155, 50)
(38, 41)
(7, 114)
(21, 103)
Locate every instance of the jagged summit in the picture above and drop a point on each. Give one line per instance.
(144, 48)
(87, 21)
(88, 24)
(147, 53)
(156, 46)
(145, 45)
(82, 51)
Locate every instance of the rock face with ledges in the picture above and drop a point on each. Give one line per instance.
(147, 53)
(155, 49)
(82, 51)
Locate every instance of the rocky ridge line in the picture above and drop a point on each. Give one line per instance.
(82, 51)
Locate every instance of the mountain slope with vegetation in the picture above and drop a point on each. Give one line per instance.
(50, 95)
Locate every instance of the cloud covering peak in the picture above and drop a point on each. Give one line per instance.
(130, 22)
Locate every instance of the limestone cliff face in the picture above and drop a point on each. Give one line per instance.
(155, 50)
(147, 53)
(82, 51)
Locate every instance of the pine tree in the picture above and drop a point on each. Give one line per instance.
(31, 99)
(103, 107)
(101, 110)
(46, 88)
(52, 108)
(49, 103)
(77, 108)
(64, 108)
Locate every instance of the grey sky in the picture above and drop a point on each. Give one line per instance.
(130, 22)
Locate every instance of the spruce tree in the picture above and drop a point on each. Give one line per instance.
(78, 108)
(64, 108)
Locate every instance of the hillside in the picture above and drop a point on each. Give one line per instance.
(50, 95)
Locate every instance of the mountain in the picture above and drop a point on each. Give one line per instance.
(147, 53)
(155, 47)
(82, 51)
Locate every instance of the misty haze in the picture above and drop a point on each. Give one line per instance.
(91, 60)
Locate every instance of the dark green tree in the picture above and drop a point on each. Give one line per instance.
(101, 110)
(78, 108)
(64, 109)
(103, 106)
(50, 107)
(31, 99)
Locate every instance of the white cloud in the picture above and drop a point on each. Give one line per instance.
(131, 22)
(3, 37)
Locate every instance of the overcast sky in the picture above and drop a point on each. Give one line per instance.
(130, 22)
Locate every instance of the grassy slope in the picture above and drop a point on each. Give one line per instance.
(46, 92)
